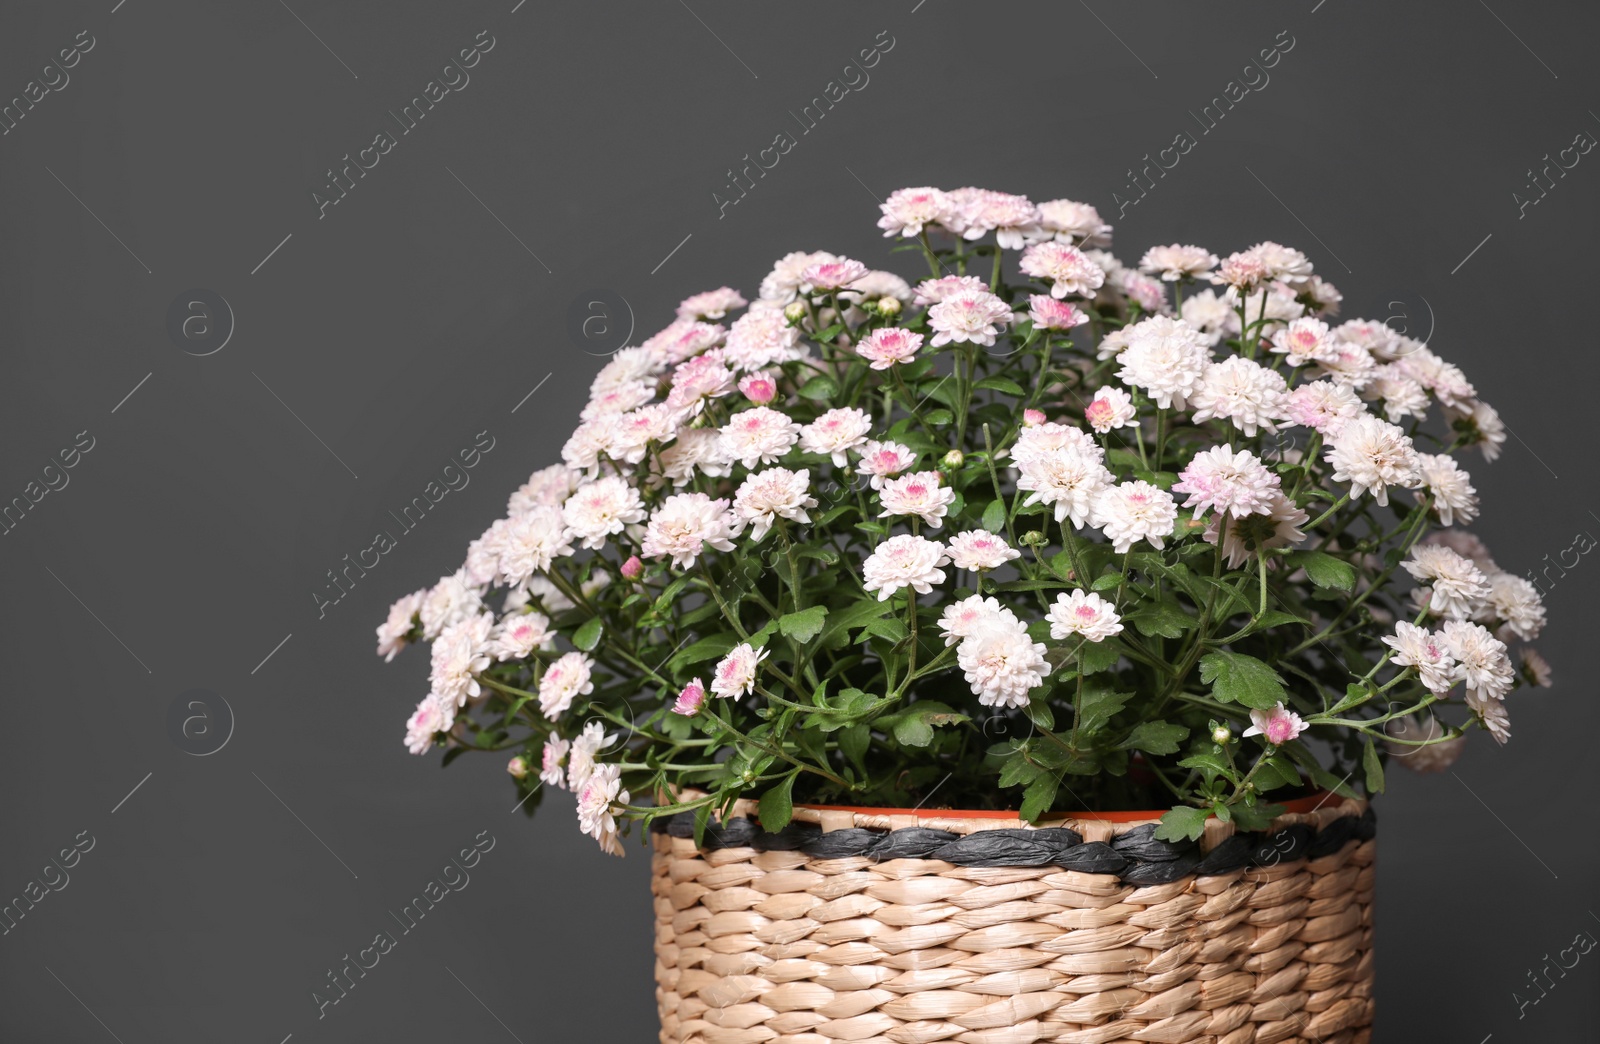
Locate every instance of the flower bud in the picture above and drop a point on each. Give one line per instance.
(953, 460)
(758, 388)
(518, 767)
(1032, 418)
(1221, 735)
(690, 699)
(1032, 538)
(794, 311)
(633, 568)
(888, 306)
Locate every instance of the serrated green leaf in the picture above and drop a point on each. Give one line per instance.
(819, 388)
(1255, 818)
(588, 636)
(1210, 765)
(709, 647)
(776, 806)
(804, 625)
(1182, 823)
(835, 633)
(1163, 619)
(940, 418)
(1100, 705)
(994, 516)
(1106, 582)
(1237, 678)
(1095, 657)
(1156, 737)
(1038, 797)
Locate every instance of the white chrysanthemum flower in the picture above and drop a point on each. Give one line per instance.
(1234, 482)
(1176, 262)
(1072, 222)
(1209, 314)
(585, 748)
(1489, 431)
(1083, 613)
(459, 653)
(1481, 660)
(1535, 668)
(1244, 392)
(1241, 272)
(636, 430)
(1065, 267)
(979, 549)
(530, 542)
(889, 346)
(974, 316)
(1465, 544)
(835, 432)
(920, 494)
(1013, 219)
(962, 618)
(1325, 297)
(1450, 488)
(626, 367)
(833, 275)
(602, 508)
(683, 340)
(1070, 479)
(759, 436)
(1425, 651)
(429, 719)
(1448, 384)
(1372, 455)
(1149, 294)
(767, 496)
(547, 487)
(787, 278)
(694, 450)
(932, 291)
(1402, 397)
(1382, 340)
(1492, 713)
(759, 339)
(518, 634)
(555, 752)
(882, 461)
(685, 525)
(1323, 406)
(569, 677)
(696, 381)
(1133, 511)
(597, 801)
(1275, 304)
(1302, 341)
(1346, 363)
(1166, 357)
(1001, 662)
(483, 554)
(735, 675)
(1042, 441)
(1110, 409)
(908, 210)
(1459, 589)
(1517, 602)
(1281, 262)
(1241, 537)
(585, 446)
(402, 616)
(713, 304)
(904, 561)
(1422, 747)
(619, 399)
(448, 601)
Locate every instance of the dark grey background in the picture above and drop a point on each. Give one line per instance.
(190, 540)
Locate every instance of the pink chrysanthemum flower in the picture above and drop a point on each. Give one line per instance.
(919, 494)
(1085, 614)
(759, 388)
(1074, 223)
(1176, 262)
(691, 699)
(430, 719)
(1048, 313)
(1277, 725)
(735, 674)
(979, 549)
(769, 495)
(908, 210)
(1110, 409)
(932, 291)
(1235, 483)
(713, 304)
(974, 316)
(1068, 271)
(685, 525)
(1134, 511)
(904, 561)
(834, 275)
(881, 461)
(888, 346)
(759, 436)
(835, 432)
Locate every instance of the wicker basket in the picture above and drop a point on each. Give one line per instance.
(862, 926)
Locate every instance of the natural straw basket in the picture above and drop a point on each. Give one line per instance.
(862, 925)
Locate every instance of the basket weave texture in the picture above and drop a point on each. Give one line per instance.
(776, 945)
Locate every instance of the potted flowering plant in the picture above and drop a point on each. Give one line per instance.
(1040, 535)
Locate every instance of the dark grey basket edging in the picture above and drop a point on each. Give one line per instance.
(1137, 857)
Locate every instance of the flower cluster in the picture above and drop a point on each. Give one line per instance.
(1038, 515)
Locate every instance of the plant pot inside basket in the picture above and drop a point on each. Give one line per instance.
(908, 926)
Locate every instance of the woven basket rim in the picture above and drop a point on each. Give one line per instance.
(1300, 806)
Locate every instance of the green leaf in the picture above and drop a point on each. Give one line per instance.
(1276, 771)
(1038, 797)
(588, 636)
(1183, 824)
(803, 625)
(1038, 712)
(819, 388)
(1278, 618)
(1237, 678)
(940, 418)
(1095, 657)
(913, 727)
(994, 516)
(1000, 384)
(1107, 582)
(1100, 705)
(1255, 818)
(1165, 619)
(1210, 765)
(829, 333)
(1155, 737)
(1325, 570)
(709, 647)
(1017, 770)
(1354, 696)
(854, 742)
(777, 805)
(1373, 764)
(835, 633)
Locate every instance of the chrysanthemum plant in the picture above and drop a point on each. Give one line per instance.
(1042, 532)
